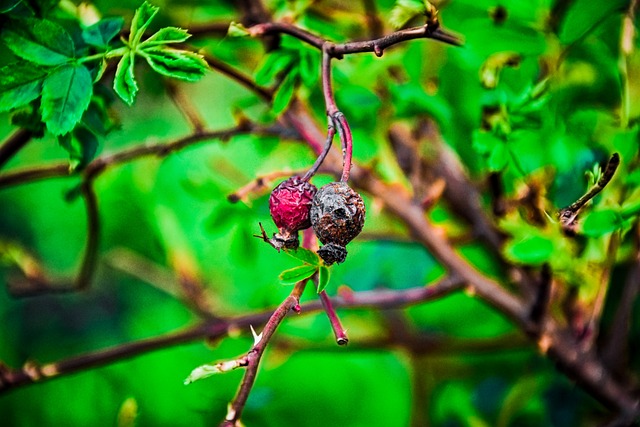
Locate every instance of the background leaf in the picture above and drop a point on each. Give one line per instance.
(532, 250)
(305, 255)
(102, 32)
(324, 274)
(66, 94)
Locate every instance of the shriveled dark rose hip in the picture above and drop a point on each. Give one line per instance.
(289, 204)
(337, 217)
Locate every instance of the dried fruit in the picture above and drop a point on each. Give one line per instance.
(337, 217)
(289, 205)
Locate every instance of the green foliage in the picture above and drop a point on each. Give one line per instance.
(66, 94)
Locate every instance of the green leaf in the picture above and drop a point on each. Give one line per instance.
(273, 65)
(20, 84)
(167, 35)
(498, 158)
(124, 82)
(179, 64)
(40, 41)
(324, 274)
(285, 93)
(207, 370)
(304, 255)
(140, 22)
(102, 32)
(237, 30)
(296, 274)
(599, 223)
(584, 15)
(532, 250)
(66, 94)
(404, 11)
(309, 67)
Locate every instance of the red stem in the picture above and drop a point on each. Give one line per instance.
(338, 330)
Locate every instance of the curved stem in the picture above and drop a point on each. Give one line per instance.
(331, 131)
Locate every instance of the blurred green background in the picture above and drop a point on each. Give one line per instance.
(170, 216)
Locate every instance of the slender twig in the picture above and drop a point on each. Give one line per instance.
(239, 77)
(186, 107)
(331, 131)
(540, 305)
(259, 185)
(90, 257)
(379, 299)
(253, 357)
(374, 23)
(336, 325)
(13, 144)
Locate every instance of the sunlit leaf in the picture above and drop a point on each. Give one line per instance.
(141, 21)
(124, 83)
(237, 30)
(167, 35)
(178, 64)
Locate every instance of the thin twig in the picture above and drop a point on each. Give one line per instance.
(186, 107)
(336, 325)
(13, 144)
(216, 328)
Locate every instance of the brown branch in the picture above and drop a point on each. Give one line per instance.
(374, 24)
(212, 329)
(13, 144)
(239, 77)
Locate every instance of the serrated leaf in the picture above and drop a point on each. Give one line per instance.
(599, 223)
(532, 250)
(20, 84)
(304, 255)
(284, 94)
(140, 22)
(124, 83)
(102, 32)
(296, 274)
(167, 35)
(66, 94)
(179, 64)
(324, 274)
(237, 30)
(40, 41)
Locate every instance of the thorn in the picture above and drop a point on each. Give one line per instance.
(377, 50)
(256, 337)
(296, 308)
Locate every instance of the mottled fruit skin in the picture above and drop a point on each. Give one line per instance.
(337, 217)
(289, 204)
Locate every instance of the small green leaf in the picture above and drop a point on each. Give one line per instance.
(40, 41)
(296, 274)
(324, 274)
(284, 94)
(167, 35)
(20, 84)
(309, 67)
(237, 30)
(66, 94)
(140, 22)
(205, 371)
(179, 64)
(532, 250)
(124, 82)
(599, 223)
(304, 255)
(102, 32)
